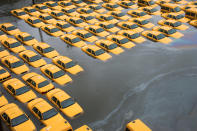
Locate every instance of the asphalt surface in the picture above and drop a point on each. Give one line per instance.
(153, 82)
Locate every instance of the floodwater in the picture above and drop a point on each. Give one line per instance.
(154, 82)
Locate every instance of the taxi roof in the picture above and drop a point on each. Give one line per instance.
(127, 22)
(24, 34)
(18, 10)
(106, 42)
(138, 11)
(29, 53)
(43, 45)
(94, 26)
(165, 27)
(75, 18)
(63, 59)
(61, 95)
(174, 14)
(82, 31)
(171, 21)
(11, 58)
(52, 68)
(39, 5)
(51, 2)
(93, 47)
(192, 10)
(7, 24)
(42, 105)
(33, 18)
(130, 32)
(138, 125)
(11, 40)
(38, 78)
(116, 36)
(173, 5)
(61, 22)
(14, 111)
(44, 15)
(15, 83)
(50, 26)
(154, 32)
(28, 7)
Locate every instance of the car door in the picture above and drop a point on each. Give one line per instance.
(6, 118)
(7, 63)
(11, 90)
(59, 63)
(36, 113)
(54, 100)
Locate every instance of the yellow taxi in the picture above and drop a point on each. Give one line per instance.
(26, 38)
(77, 22)
(64, 103)
(67, 64)
(175, 16)
(4, 74)
(191, 13)
(88, 18)
(109, 46)
(118, 15)
(156, 36)
(2, 35)
(47, 18)
(151, 10)
(142, 22)
(84, 128)
(52, 30)
(14, 64)
(31, 11)
(171, 7)
(85, 35)
(38, 82)
(132, 35)
(3, 52)
(73, 40)
(15, 118)
(146, 2)
(127, 4)
(173, 23)
(121, 41)
(47, 114)
(70, 11)
(13, 45)
(79, 3)
(9, 28)
(58, 15)
(3, 100)
(108, 26)
(112, 6)
(127, 25)
(168, 31)
(137, 125)
(67, 4)
(53, 5)
(35, 22)
(96, 30)
(64, 26)
(42, 8)
(110, 1)
(19, 13)
(107, 18)
(45, 50)
(32, 58)
(19, 90)
(97, 8)
(85, 10)
(193, 22)
(192, 3)
(139, 14)
(96, 52)
(56, 74)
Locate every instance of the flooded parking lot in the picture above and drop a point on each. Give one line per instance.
(153, 82)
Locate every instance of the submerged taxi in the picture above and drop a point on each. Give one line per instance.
(107, 18)
(139, 14)
(156, 36)
(86, 11)
(108, 26)
(38, 82)
(55, 74)
(173, 23)
(53, 5)
(19, 13)
(96, 30)
(48, 115)
(128, 4)
(137, 125)
(26, 38)
(64, 26)
(85, 35)
(151, 10)
(58, 15)
(142, 22)
(42, 8)
(127, 25)
(176, 16)
(65, 103)
(84, 128)
(168, 31)
(9, 28)
(88, 18)
(13, 45)
(73, 40)
(45, 50)
(14, 64)
(109, 46)
(96, 52)
(15, 118)
(121, 41)
(193, 22)
(97, 8)
(76, 21)
(31, 11)
(32, 58)
(132, 35)
(118, 15)
(34, 21)
(112, 6)
(19, 90)
(52, 30)
(47, 19)
(67, 64)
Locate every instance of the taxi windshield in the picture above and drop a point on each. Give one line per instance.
(99, 30)
(21, 13)
(112, 46)
(70, 64)
(34, 58)
(17, 64)
(160, 36)
(18, 120)
(54, 30)
(124, 40)
(75, 40)
(22, 90)
(67, 103)
(28, 38)
(177, 9)
(171, 31)
(36, 21)
(49, 49)
(11, 28)
(16, 44)
(2, 71)
(176, 24)
(58, 74)
(50, 113)
(99, 52)
(87, 35)
(134, 36)
(43, 84)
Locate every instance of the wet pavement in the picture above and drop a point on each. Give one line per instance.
(153, 82)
